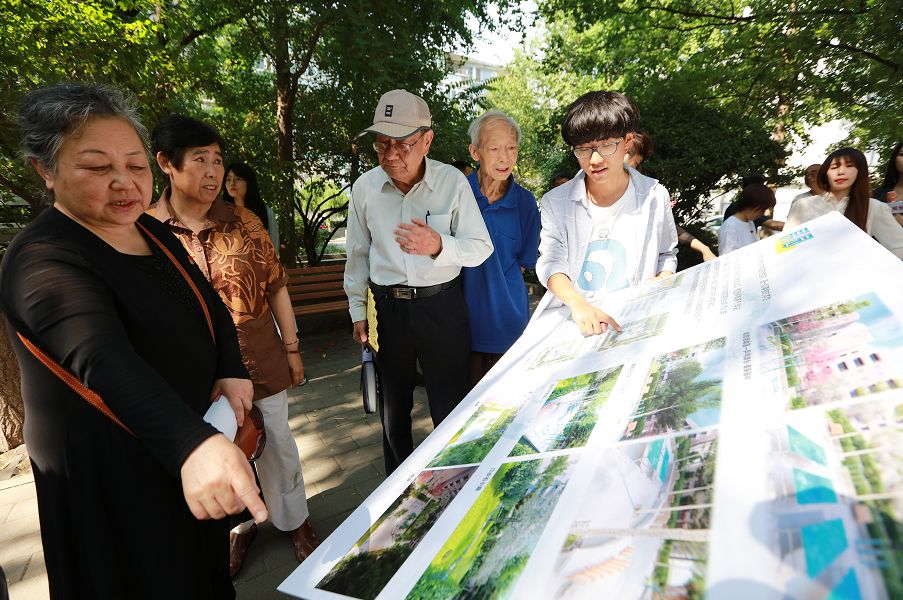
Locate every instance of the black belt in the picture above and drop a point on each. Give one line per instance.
(405, 292)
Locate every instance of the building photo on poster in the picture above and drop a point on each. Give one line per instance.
(740, 437)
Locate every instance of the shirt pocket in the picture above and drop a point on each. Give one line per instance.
(441, 223)
(507, 229)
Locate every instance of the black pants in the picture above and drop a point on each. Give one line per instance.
(435, 331)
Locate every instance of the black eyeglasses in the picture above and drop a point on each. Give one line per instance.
(606, 149)
(402, 147)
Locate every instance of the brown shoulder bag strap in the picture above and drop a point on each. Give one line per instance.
(185, 275)
(92, 397)
(70, 380)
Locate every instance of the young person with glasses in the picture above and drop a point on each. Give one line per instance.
(610, 226)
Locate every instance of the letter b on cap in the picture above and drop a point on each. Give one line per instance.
(389, 108)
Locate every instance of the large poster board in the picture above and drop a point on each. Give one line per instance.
(741, 437)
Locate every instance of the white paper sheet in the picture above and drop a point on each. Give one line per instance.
(221, 416)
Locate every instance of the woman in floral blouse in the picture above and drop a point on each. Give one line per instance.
(232, 248)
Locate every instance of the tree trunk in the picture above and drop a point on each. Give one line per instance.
(12, 409)
(285, 102)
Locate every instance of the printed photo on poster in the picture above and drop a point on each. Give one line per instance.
(569, 414)
(682, 391)
(378, 554)
(652, 536)
(839, 351)
(488, 550)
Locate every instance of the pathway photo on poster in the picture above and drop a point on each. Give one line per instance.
(479, 434)
(569, 414)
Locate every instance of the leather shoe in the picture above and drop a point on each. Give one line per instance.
(304, 540)
(238, 548)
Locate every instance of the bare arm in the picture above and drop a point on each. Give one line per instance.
(281, 305)
(706, 252)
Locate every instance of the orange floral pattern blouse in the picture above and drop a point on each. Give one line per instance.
(234, 252)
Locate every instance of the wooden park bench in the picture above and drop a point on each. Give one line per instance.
(315, 290)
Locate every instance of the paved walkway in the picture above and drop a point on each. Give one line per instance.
(341, 453)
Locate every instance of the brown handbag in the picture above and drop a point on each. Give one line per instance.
(251, 437)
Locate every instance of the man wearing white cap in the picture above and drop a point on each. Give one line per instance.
(413, 223)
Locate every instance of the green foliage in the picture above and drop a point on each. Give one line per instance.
(121, 43)
(365, 575)
(722, 87)
(474, 451)
(290, 85)
(792, 64)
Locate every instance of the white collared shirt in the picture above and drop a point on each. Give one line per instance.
(879, 224)
(443, 199)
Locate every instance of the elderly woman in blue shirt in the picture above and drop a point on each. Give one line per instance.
(495, 291)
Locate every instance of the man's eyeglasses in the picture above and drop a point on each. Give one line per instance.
(606, 149)
(402, 147)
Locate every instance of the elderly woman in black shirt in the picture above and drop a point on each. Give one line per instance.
(107, 314)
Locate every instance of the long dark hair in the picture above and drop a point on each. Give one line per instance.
(858, 203)
(891, 175)
(253, 201)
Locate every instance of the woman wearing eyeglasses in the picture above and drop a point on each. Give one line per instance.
(233, 250)
(609, 227)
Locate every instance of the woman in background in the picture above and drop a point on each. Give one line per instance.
(240, 188)
(739, 229)
(892, 188)
(845, 175)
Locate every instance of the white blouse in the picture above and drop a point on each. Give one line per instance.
(879, 224)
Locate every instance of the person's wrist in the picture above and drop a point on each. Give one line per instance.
(438, 246)
(289, 344)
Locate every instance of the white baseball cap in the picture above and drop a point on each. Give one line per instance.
(399, 114)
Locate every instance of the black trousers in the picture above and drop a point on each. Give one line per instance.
(435, 331)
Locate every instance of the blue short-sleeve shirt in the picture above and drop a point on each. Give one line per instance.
(495, 291)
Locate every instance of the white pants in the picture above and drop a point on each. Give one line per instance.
(279, 467)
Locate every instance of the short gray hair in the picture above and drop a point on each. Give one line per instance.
(492, 116)
(50, 114)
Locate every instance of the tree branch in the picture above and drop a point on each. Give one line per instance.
(196, 33)
(309, 52)
(734, 19)
(856, 50)
(23, 192)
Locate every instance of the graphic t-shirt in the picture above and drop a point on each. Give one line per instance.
(612, 253)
